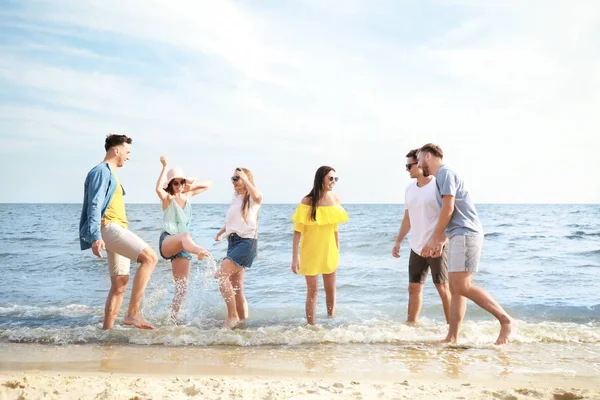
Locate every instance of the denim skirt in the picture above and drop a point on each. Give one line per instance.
(241, 251)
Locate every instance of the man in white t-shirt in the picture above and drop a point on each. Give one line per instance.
(421, 212)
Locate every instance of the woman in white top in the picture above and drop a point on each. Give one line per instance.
(241, 229)
(176, 243)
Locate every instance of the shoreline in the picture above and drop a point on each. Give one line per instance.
(277, 372)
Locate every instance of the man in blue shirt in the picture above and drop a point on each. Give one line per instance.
(458, 221)
(103, 226)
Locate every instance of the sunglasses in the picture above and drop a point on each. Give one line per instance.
(235, 178)
(409, 165)
(333, 178)
(177, 183)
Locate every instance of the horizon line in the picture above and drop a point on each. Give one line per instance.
(349, 203)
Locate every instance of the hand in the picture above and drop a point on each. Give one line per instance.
(163, 161)
(296, 264)
(202, 254)
(396, 250)
(434, 247)
(242, 175)
(97, 246)
(219, 236)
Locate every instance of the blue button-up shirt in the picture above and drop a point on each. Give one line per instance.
(100, 187)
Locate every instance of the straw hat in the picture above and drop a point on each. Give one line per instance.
(175, 173)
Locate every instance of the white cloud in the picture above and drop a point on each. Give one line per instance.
(509, 91)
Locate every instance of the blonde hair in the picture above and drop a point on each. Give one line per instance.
(246, 201)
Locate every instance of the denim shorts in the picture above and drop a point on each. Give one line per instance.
(241, 251)
(182, 253)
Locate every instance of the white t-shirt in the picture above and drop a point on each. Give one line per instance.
(423, 211)
(234, 219)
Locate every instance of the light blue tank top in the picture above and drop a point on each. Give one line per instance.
(177, 220)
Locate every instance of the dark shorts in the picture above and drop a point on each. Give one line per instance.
(182, 253)
(241, 251)
(419, 266)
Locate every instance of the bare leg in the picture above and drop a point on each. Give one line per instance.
(227, 269)
(462, 288)
(173, 244)
(312, 286)
(415, 301)
(444, 292)
(118, 284)
(237, 282)
(329, 283)
(148, 260)
(181, 275)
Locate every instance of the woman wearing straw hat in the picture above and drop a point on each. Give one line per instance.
(176, 243)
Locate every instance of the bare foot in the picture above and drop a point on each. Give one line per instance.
(137, 321)
(505, 332)
(449, 339)
(230, 323)
(240, 325)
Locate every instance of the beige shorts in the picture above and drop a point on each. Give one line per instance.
(122, 246)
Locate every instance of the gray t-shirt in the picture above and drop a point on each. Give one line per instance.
(464, 219)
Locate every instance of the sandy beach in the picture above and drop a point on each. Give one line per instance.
(29, 371)
(38, 385)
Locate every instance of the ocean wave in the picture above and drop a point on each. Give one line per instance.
(69, 311)
(581, 234)
(481, 333)
(589, 253)
(492, 235)
(21, 239)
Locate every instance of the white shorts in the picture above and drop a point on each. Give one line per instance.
(464, 252)
(122, 246)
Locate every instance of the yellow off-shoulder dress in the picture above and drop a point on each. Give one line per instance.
(318, 251)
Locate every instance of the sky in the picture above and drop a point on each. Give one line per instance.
(509, 89)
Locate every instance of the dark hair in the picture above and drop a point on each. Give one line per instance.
(169, 188)
(317, 191)
(433, 150)
(412, 154)
(113, 140)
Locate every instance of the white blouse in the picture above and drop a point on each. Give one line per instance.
(234, 219)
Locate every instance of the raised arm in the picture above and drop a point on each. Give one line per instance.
(197, 187)
(252, 190)
(162, 193)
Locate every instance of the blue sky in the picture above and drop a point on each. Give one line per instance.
(510, 90)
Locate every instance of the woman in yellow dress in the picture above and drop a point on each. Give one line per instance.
(316, 234)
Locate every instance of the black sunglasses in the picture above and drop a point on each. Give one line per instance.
(177, 183)
(235, 178)
(409, 165)
(333, 178)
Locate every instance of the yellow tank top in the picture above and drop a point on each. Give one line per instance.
(116, 209)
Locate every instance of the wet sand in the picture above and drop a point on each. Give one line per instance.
(31, 371)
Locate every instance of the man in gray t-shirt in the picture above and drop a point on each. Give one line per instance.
(459, 223)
